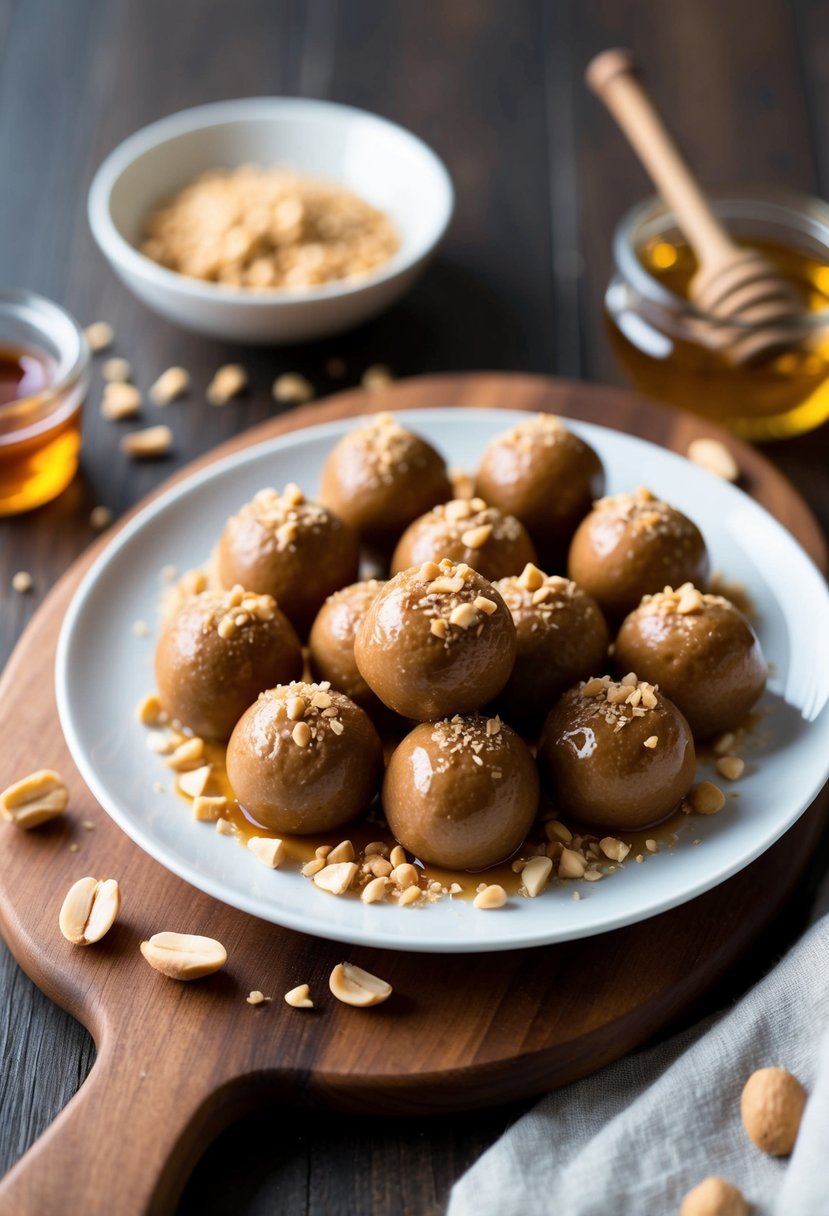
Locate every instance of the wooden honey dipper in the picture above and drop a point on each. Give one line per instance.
(733, 283)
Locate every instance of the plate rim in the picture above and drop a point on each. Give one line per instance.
(290, 919)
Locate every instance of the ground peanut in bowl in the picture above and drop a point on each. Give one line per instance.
(268, 228)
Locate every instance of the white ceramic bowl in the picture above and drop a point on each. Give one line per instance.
(386, 165)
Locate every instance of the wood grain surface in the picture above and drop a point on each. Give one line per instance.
(176, 1063)
(542, 177)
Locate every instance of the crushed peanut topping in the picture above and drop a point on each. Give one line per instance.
(544, 430)
(285, 516)
(538, 596)
(471, 735)
(618, 701)
(685, 601)
(309, 711)
(470, 522)
(645, 514)
(231, 613)
(446, 593)
(388, 451)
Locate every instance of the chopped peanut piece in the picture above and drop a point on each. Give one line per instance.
(187, 755)
(714, 456)
(376, 377)
(535, 875)
(100, 517)
(99, 335)
(89, 910)
(299, 997)
(615, 849)
(374, 891)
(184, 956)
(268, 850)
(257, 998)
(149, 711)
(170, 385)
(116, 369)
(344, 851)
(571, 864)
(292, 389)
(34, 800)
(476, 538)
(301, 734)
(229, 381)
(147, 444)
(354, 986)
(336, 878)
(493, 896)
(120, 400)
(706, 798)
(22, 582)
(195, 782)
(731, 767)
(209, 809)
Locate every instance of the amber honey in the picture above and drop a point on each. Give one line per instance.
(39, 430)
(659, 342)
(43, 378)
(463, 883)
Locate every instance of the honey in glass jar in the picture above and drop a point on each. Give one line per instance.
(44, 374)
(667, 348)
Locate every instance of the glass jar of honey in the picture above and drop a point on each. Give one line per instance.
(665, 345)
(44, 376)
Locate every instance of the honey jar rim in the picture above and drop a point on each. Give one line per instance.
(797, 212)
(54, 333)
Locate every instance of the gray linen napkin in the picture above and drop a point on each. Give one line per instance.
(633, 1139)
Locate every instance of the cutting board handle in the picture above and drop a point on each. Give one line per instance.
(128, 1140)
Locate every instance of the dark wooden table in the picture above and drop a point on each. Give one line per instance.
(541, 176)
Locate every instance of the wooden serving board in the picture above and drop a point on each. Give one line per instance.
(177, 1062)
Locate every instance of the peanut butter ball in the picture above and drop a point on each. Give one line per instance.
(617, 755)
(631, 545)
(297, 551)
(562, 637)
(331, 642)
(437, 640)
(461, 793)
(700, 650)
(217, 652)
(547, 477)
(466, 530)
(304, 758)
(380, 477)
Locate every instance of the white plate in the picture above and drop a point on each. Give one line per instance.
(103, 670)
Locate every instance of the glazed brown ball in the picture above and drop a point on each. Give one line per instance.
(304, 758)
(634, 544)
(466, 530)
(617, 755)
(547, 477)
(437, 640)
(461, 793)
(331, 643)
(297, 551)
(217, 653)
(701, 651)
(562, 637)
(380, 477)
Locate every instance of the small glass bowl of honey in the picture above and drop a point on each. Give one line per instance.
(44, 376)
(661, 345)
